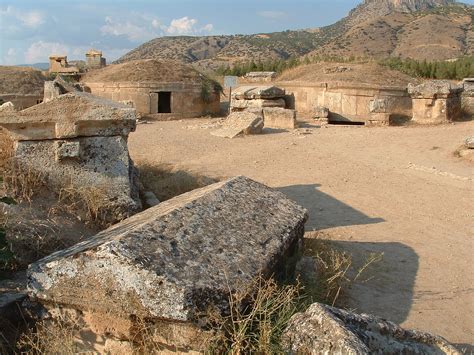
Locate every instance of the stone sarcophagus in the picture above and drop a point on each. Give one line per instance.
(173, 261)
(435, 101)
(79, 141)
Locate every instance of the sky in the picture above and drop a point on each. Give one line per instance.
(31, 30)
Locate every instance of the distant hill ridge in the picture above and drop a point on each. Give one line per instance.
(419, 29)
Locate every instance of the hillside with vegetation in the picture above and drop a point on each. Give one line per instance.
(417, 29)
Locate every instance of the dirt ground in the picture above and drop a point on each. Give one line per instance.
(396, 190)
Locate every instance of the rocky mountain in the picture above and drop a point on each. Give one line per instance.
(419, 29)
(372, 9)
(439, 33)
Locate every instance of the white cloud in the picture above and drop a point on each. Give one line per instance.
(183, 25)
(31, 19)
(11, 57)
(40, 51)
(208, 28)
(134, 32)
(271, 14)
(155, 23)
(186, 25)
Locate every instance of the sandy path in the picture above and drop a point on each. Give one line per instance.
(391, 189)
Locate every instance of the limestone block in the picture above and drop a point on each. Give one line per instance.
(379, 105)
(321, 112)
(51, 90)
(469, 142)
(378, 119)
(257, 103)
(241, 123)
(71, 115)
(174, 260)
(65, 150)
(101, 164)
(279, 118)
(7, 107)
(434, 89)
(258, 92)
(327, 330)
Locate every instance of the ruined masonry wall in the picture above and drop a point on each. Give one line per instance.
(185, 98)
(345, 102)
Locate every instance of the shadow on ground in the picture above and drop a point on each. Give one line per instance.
(386, 288)
(325, 211)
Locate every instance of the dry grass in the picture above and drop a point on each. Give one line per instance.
(90, 201)
(336, 270)
(51, 337)
(259, 313)
(22, 181)
(6, 149)
(166, 181)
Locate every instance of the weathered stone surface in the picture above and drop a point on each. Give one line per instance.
(469, 142)
(69, 116)
(434, 89)
(258, 92)
(436, 101)
(7, 107)
(264, 76)
(378, 119)
(257, 103)
(279, 118)
(150, 199)
(321, 112)
(327, 330)
(237, 123)
(100, 164)
(379, 105)
(78, 142)
(176, 259)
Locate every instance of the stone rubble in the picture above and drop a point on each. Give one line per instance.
(279, 118)
(241, 123)
(323, 329)
(7, 107)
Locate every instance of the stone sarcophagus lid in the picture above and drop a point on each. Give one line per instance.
(435, 101)
(173, 261)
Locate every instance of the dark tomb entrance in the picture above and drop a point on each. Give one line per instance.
(164, 102)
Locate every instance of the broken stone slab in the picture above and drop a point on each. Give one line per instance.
(257, 103)
(238, 123)
(174, 260)
(328, 330)
(257, 92)
(434, 89)
(7, 107)
(279, 118)
(321, 112)
(69, 116)
(469, 142)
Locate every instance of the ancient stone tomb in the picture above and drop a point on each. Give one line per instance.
(435, 101)
(78, 141)
(269, 100)
(171, 262)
